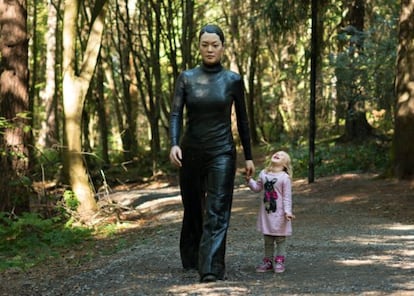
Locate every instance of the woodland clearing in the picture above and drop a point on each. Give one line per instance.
(353, 235)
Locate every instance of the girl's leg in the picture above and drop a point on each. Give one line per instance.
(279, 265)
(269, 249)
(269, 246)
(280, 246)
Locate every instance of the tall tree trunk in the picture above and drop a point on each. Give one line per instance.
(188, 30)
(315, 54)
(147, 70)
(156, 72)
(253, 73)
(48, 128)
(171, 48)
(356, 124)
(322, 102)
(102, 116)
(14, 106)
(403, 144)
(128, 116)
(75, 87)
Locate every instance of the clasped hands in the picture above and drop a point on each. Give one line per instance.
(176, 156)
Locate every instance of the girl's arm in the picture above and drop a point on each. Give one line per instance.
(255, 186)
(287, 198)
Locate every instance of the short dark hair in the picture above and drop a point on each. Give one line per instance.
(212, 29)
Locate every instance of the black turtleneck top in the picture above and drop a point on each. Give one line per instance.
(208, 93)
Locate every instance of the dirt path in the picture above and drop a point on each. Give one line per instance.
(347, 241)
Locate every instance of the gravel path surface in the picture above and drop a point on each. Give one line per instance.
(339, 247)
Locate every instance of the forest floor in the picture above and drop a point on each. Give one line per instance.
(353, 235)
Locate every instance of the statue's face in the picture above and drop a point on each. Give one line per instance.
(211, 48)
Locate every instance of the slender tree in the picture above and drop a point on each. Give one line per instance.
(48, 128)
(403, 143)
(102, 114)
(254, 33)
(75, 87)
(147, 70)
(315, 50)
(188, 32)
(352, 78)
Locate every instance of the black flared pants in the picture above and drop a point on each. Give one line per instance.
(206, 182)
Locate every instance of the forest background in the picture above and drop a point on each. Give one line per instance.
(86, 89)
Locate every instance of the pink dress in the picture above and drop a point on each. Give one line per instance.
(275, 202)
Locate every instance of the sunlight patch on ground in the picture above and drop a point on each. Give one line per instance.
(170, 217)
(345, 198)
(409, 286)
(376, 293)
(157, 204)
(370, 260)
(207, 289)
(401, 227)
(241, 189)
(166, 210)
(394, 249)
(395, 234)
(389, 260)
(373, 239)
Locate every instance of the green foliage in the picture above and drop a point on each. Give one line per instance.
(364, 66)
(334, 158)
(4, 123)
(67, 207)
(21, 181)
(70, 199)
(285, 15)
(29, 239)
(138, 169)
(49, 163)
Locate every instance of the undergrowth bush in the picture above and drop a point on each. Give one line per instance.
(332, 158)
(30, 239)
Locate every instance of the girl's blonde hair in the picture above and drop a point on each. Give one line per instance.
(287, 167)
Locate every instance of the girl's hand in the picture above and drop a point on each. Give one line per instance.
(290, 217)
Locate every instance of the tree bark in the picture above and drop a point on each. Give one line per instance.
(75, 87)
(253, 73)
(48, 128)
(187, 22)
(14, 107)
(403, 144)
(102, 115)
(357, 127)
(147, 70)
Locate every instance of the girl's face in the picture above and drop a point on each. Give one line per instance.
(280, 158)
(211, 48)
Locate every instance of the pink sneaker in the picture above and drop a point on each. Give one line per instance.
(279, 266)
(265, 266)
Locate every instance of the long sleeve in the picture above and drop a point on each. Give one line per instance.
(287, 196)
(208, 95)
(255, 186)
(242, 119)
(176, 115)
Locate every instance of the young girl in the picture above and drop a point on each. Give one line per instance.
(275, 215)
